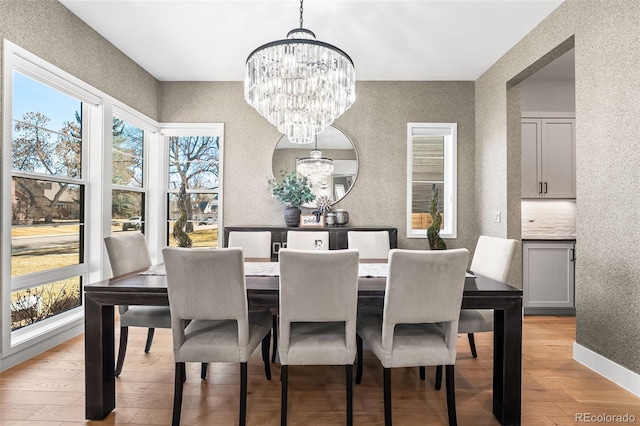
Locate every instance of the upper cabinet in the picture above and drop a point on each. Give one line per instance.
(548, 158)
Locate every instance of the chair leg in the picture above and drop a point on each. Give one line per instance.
(122, 350)
(451, 396)
(275, 338)
(147, 346)
(438, 377)
(387, 397)
(472, 345)
(243, 394)
(203, 370)
(360, 360)
(349, 372)
(284, 375)
(177, 393)
(423, 373)
(265, 355)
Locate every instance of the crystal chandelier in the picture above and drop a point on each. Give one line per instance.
(316, 168)
(300, 84)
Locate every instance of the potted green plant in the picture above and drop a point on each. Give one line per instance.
(293, 192)
(433, 233)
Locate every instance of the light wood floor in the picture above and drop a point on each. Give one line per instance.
(49, 389)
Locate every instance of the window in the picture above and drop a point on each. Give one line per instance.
(431, 164)
(47, 200)
(127, 177)
(194, 182)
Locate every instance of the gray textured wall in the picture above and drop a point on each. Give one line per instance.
(377, 125)
(607, 42)
(49, 30)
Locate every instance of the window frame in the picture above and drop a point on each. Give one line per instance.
(16, 59)
(193, 129)
(449, 132)
(97, 113)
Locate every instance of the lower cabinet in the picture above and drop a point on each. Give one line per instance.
(548, 271)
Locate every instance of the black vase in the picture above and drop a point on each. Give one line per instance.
(292, 216)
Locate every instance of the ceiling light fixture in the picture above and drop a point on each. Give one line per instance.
(316, 168)
(300, 84)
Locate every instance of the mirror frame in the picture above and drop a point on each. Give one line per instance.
(312, 205)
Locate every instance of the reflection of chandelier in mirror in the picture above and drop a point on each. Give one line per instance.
(299, 84)
(316, 168)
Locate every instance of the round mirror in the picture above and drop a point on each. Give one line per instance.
(331, 172)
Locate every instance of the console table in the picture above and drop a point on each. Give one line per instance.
(337, 235)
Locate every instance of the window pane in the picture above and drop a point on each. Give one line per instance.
(194, 160)
(128, 147)
(202, 214)
(38, 303)
(421, 204)
(127, 210)
(46, 129)
(46, 225)
(432, 166)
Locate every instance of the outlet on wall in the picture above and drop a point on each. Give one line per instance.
(496, 217)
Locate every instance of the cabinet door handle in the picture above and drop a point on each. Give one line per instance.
(573, 255)
(540, 190)
(545, 187)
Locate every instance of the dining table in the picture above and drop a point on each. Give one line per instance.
(149, 287)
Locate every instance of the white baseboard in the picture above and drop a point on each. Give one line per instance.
(618, 374)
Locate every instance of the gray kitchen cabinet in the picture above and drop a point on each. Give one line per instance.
(548, 277)
(548, 158)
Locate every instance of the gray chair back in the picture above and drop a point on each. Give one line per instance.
(256, 245)
(493, 257)
(305, 240)
(127, 253)
(206, 284)
(372, 245)
(424, 286)
(318, 286)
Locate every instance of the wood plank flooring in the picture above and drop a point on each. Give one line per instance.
(48, 390)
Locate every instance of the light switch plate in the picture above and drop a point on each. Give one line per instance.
(496, 217)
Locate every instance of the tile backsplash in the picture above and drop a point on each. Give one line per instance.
(549, 219)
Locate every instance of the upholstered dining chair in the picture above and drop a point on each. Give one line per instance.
(210, 320)
(318, 304)
(306, 240)
(372, 245)
(419, 323)
(256, 246)
(128, 253)
(492, 258)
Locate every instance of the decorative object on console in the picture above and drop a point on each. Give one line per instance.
(299, 84)
(179, 235)
(330, 219)
(433, 233)
(311, 221)
(342, 217)
(292, 192)
(323, 203)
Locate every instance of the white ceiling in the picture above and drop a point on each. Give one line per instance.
(209, 40)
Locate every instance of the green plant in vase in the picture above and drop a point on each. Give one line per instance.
(293, 192)
(433, 233)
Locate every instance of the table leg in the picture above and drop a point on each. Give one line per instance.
(507, 364)
(100, 384)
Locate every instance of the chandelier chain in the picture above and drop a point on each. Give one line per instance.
(301, 13)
